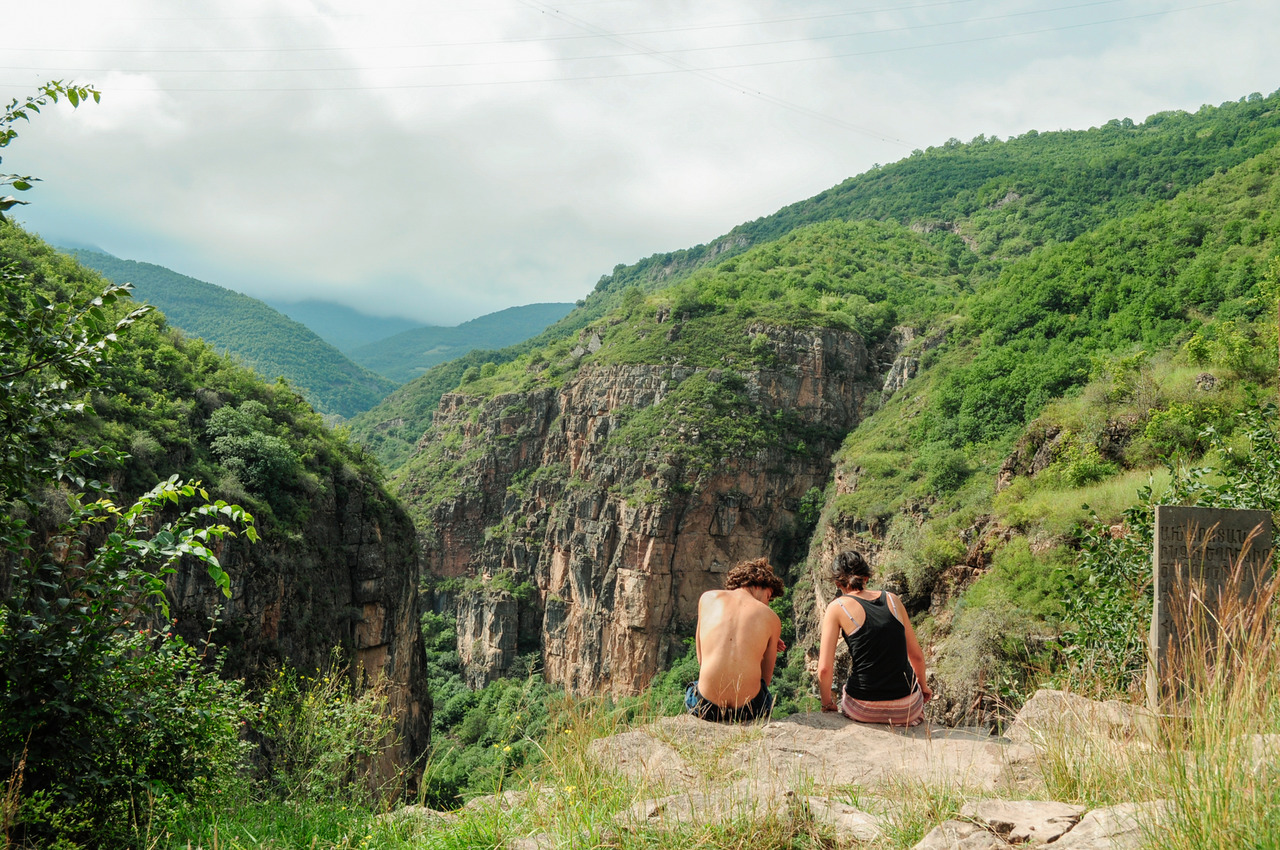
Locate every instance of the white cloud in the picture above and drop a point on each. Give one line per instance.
(422, 159)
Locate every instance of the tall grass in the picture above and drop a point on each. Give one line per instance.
(1220, 715)
(1211, 749)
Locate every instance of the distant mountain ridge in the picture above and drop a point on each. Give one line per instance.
(260, 336)
(343, 327)
(407, 355)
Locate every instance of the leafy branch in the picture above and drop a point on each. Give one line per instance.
(49, 93)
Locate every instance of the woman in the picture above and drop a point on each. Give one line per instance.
(887, 679)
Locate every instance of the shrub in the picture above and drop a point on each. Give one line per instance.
(325, 734)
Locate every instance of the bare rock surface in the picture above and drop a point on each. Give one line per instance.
(1113, 828)
(848, 821)
(812, 768)
(960, 835)
(822, 749)
(716, 805)
(994, 824)
(1024, 821)
(1052, 715)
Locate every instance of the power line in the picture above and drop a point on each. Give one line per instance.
(493, 42)
(677, 69)
(551, 59)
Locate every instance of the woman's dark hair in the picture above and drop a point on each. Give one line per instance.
(850, 570)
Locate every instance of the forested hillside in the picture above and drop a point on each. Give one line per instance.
(407, 355)
(344, 328)
(984, 204)
(260, 337)
(994, 333)
(168, 516)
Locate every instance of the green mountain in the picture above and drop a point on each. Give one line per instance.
(984, 204)
(408, 355)
(940, 362)
(342, 327)
(259, 336)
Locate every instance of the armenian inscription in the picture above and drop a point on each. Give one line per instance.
(1201, 547)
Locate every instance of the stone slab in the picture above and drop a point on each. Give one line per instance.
(1199, 546)
(1123, 827)
(960, 835)
(1024, 821)
(818, 748)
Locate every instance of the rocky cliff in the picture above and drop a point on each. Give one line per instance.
(347, 581)
(583, 518)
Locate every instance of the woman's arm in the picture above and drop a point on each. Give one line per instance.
(827, 657)
(915, 654)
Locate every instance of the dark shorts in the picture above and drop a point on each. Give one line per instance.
(699, 706)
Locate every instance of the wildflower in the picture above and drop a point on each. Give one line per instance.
(505, 749)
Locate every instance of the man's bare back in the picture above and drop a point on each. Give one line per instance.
(737, 643)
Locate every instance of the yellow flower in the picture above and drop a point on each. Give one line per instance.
(506, 749)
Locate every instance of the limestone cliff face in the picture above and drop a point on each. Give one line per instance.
(577, 539)
(349, 581)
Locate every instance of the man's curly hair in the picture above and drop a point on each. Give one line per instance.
(755, 573)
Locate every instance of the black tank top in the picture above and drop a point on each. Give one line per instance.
(878, 650)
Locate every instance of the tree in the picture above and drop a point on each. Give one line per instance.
(49, 93)
(96, 696)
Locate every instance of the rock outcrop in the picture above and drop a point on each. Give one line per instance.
(615, 499)
(349, 581)
(833, 780)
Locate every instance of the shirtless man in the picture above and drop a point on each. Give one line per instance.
(738, 641)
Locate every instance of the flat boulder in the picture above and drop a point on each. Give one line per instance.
(812, 749)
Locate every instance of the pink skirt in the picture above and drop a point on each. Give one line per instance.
(907, 711)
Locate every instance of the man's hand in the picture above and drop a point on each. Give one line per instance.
(782, 647)
(926, 691)
(831, 707)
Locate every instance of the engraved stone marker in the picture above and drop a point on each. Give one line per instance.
(1200, 546)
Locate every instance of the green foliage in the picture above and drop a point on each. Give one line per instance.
(244, 440)
(1136, 282)
(83, 728)
(259, 336)
(410, 354)
(150, 727)
(324, 734)
(1111, 612)
(1230, 345)
(1035, 584)
(1078, 465)
(483, 737)
(23, 110)
(107, 720)
(945, 469)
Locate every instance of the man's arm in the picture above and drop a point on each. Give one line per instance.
(697, 633)
(771, 648)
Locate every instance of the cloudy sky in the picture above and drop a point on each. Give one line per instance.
(441, 160)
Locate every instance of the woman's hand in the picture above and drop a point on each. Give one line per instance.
(926, 691)
(830, 707)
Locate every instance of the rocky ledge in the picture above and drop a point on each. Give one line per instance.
(822, 769)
